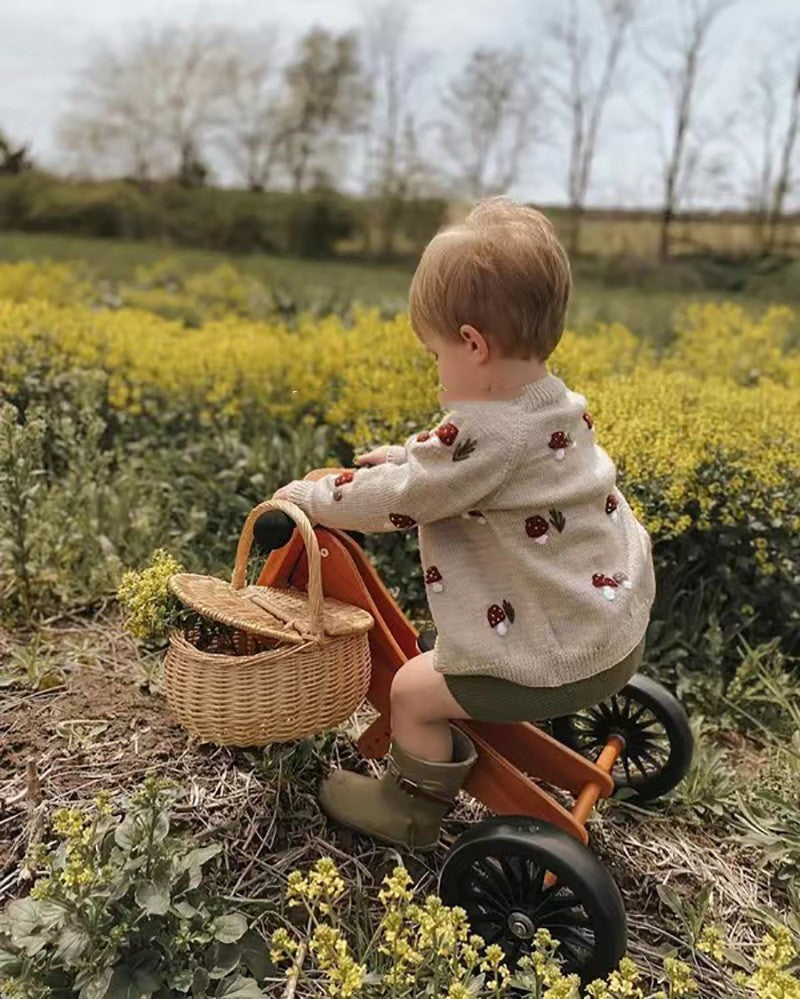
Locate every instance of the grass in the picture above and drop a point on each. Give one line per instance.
(638, 295)
(105, 725)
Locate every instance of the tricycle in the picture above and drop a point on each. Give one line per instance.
(528, 866)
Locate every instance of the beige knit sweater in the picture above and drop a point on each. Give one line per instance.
(535, 567)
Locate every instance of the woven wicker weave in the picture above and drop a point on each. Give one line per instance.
(301, 671)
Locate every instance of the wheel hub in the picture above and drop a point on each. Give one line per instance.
(521, 926)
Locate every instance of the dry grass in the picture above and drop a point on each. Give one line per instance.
(106, 726)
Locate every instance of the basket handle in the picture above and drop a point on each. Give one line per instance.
(315, 595)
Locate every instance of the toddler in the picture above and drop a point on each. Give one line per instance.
(539, 577)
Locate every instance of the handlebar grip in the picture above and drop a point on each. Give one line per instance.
(272, 530)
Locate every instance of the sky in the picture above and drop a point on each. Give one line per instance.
(44, 44)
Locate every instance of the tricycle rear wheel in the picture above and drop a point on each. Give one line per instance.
(496, 872)
(658, 738)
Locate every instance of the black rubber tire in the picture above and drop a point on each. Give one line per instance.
(521, 848)
(649, 697)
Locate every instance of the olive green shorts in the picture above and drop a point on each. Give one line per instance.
(492, 699)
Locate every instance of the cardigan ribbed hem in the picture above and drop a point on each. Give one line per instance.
(541, 671)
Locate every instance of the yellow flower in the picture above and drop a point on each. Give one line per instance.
(712, 942)
(679, 975)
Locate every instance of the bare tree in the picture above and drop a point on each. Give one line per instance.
(680, 65)
(14, 159)
(147, 109)
(251, 121)
(489, 120)
(395, 166)
(583, 82)
(786, 160)
(113, 125)
(325, 104)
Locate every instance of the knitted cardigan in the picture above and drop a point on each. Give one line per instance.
(536, 568)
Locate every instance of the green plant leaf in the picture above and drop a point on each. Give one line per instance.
(672, 900)
(200, 982)
(73, 941)
(198, 856)
(185, 910)
(128, 833)
(96, 987)
(153, 897)
(255, 956)
(222, 958)
(123, 985)
(229, 928)
(237, 987)
(24, 916)
(182, 980)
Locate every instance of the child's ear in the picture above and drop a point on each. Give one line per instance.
(476, 341)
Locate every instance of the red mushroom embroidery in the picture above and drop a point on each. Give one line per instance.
(423, 435)
(400, 520)
(606, 585)
(344, 478)
(433, 578)
(622, 580)
(587, 419)
(559, 442)
(611, 507)
(447, 433)
(497, 619)
(537, 528)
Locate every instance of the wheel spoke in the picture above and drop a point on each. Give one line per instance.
(480, 895)
(492, 894)
(645, 753)
(638, 764)
(639, 712)
(626, 766)
(512, 878)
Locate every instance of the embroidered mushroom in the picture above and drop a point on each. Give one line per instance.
(344, 478)
(587, 419)
(433, 578)
(537, 528)
(474, 515)
(611, 507)
(497, 619)
(606, 585)
(423, 435)
(559, 442)
(447, 433)
(622, 580)
(400, 520)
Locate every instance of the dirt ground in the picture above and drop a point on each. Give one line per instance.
(105, 725)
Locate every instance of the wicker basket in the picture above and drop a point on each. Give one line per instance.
(290, 677)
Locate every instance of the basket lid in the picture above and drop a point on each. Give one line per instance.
(283, 614)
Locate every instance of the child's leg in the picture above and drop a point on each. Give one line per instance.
(421, 706)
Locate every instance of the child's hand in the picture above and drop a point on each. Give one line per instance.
(376, 457)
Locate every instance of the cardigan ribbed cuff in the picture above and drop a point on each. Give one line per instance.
(301, 492)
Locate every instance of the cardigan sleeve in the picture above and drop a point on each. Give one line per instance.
(447, 472)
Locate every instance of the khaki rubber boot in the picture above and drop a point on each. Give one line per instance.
(406, 806)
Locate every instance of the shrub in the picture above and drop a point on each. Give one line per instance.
(125, 906)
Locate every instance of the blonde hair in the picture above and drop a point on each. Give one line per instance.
(501, 270)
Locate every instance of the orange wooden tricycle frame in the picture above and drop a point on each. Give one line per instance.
(511, 757)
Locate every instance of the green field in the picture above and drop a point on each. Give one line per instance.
(642, 296)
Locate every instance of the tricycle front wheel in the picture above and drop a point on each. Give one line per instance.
(496, 871)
